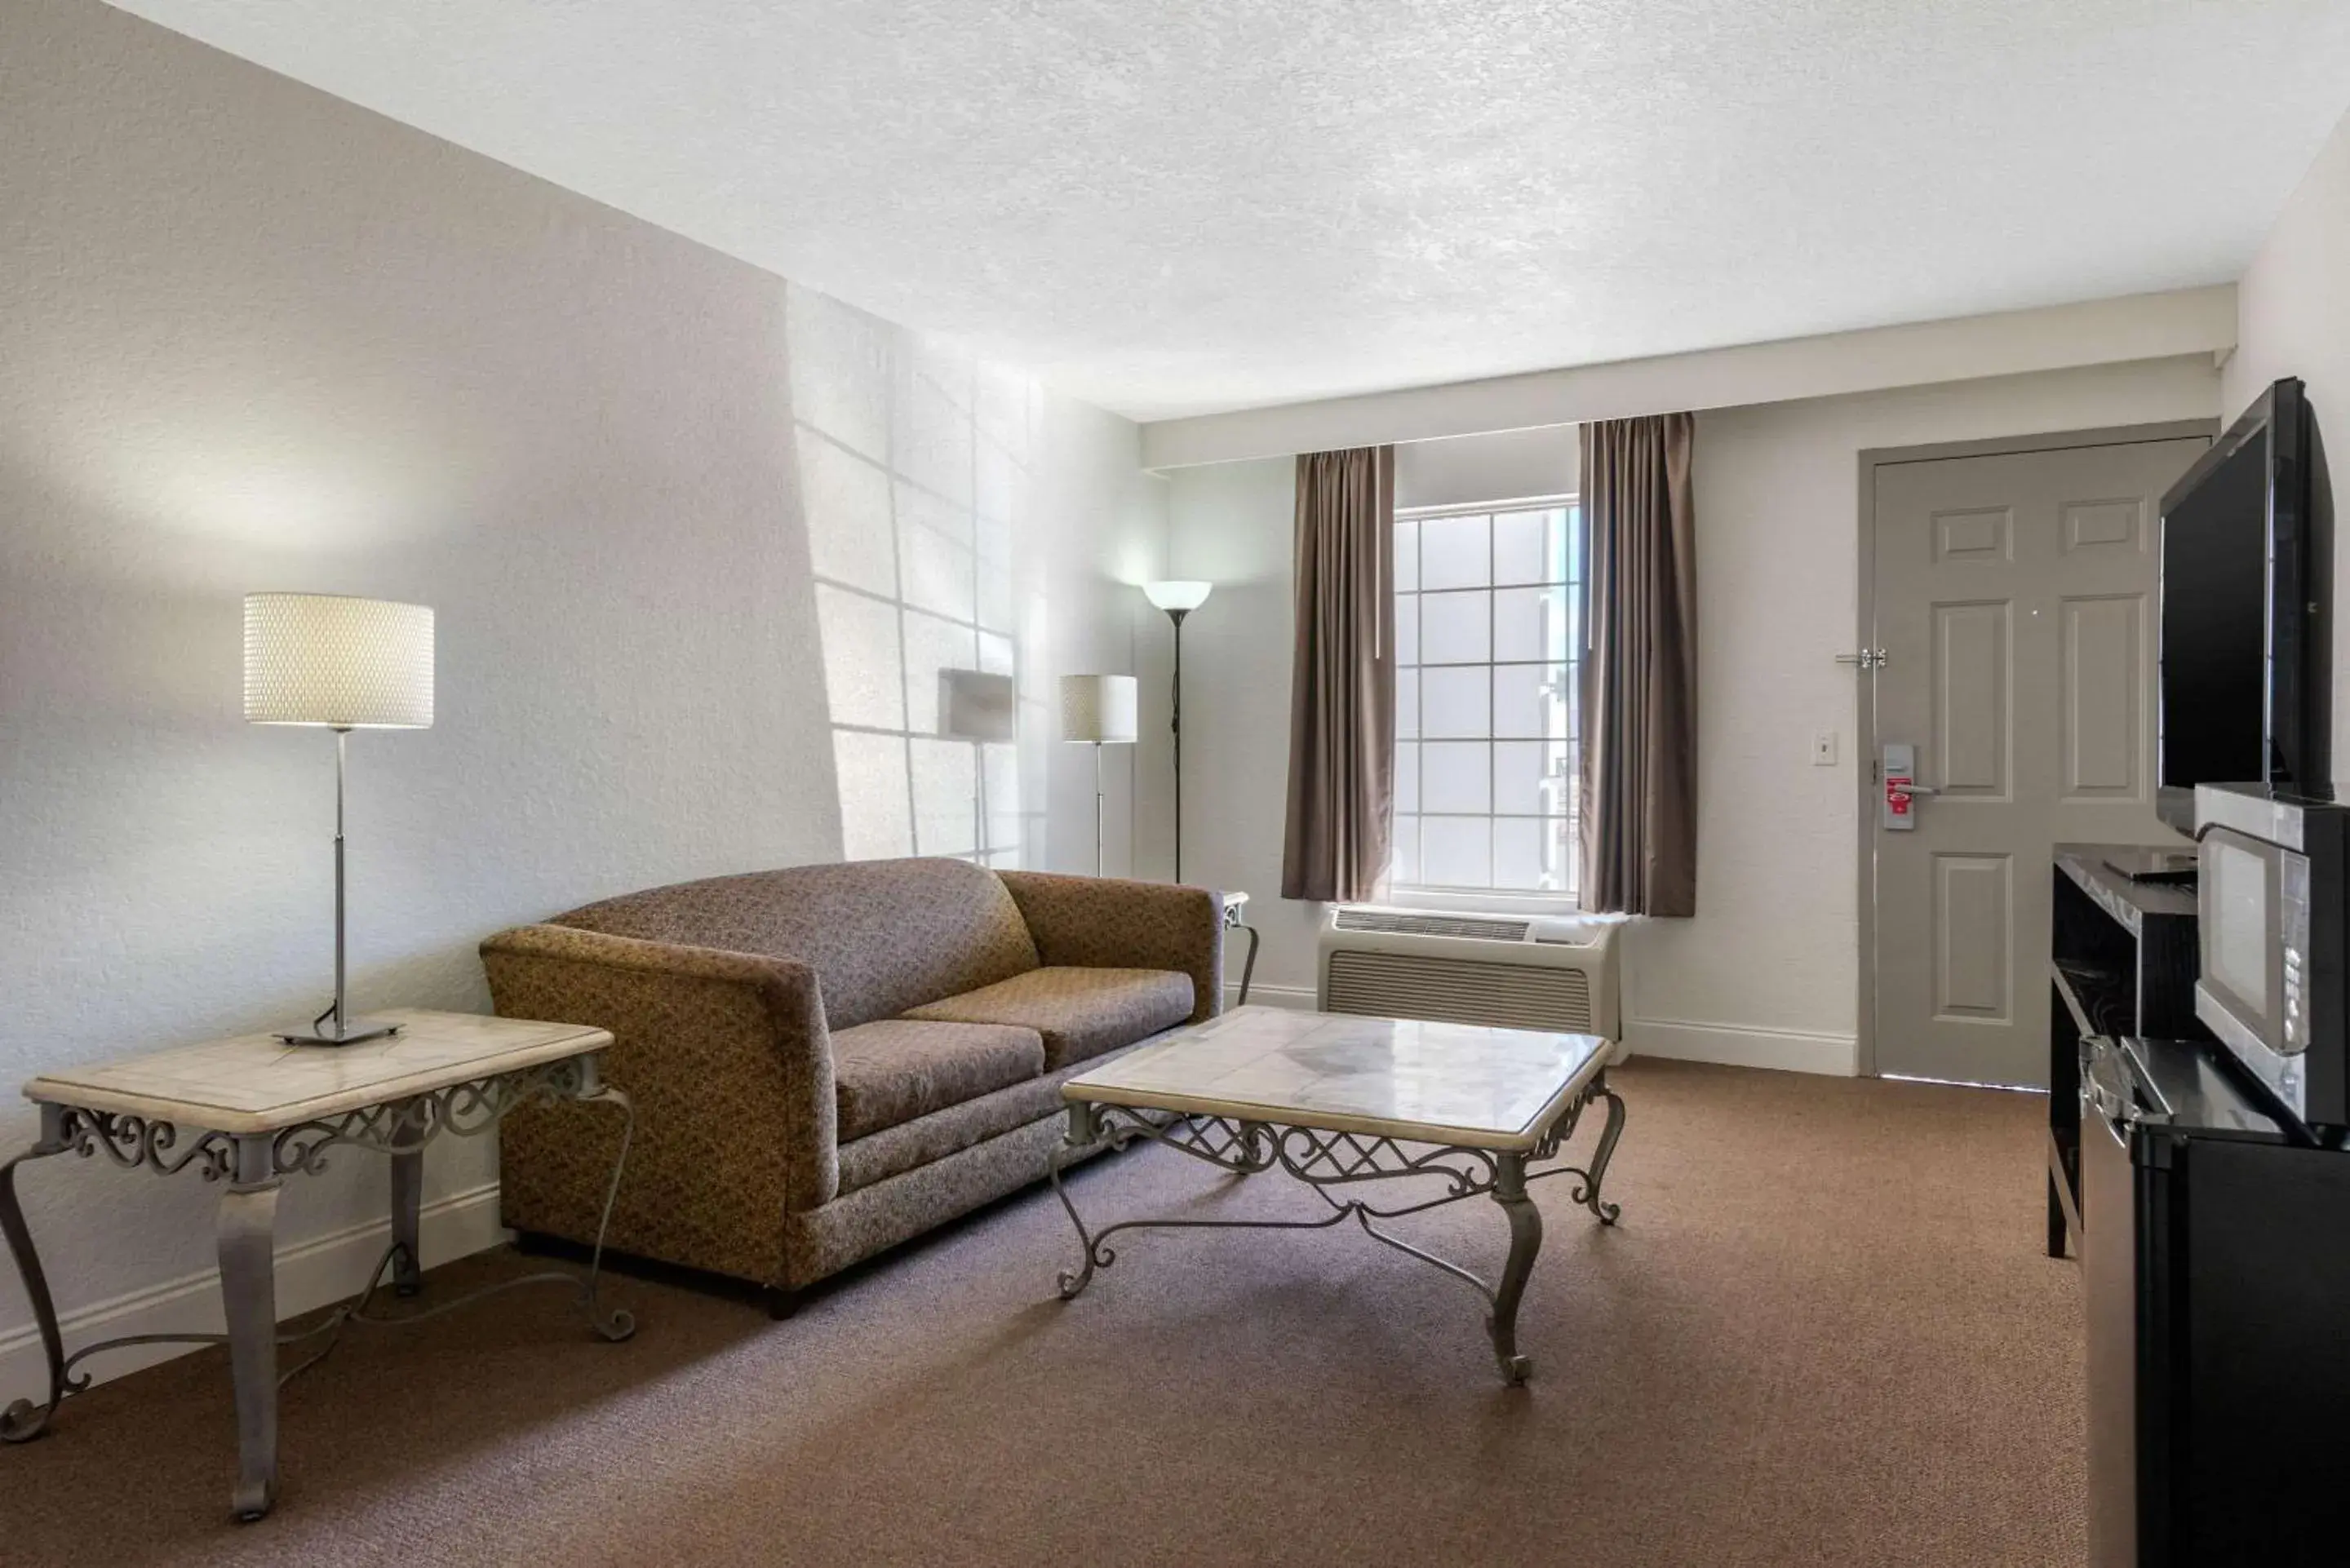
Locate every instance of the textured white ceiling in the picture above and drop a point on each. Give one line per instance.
(1174, 208)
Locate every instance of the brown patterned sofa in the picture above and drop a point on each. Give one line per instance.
(828, 1059)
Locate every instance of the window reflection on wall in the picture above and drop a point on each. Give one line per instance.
(915, 473)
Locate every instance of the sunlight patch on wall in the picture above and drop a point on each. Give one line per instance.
(915, 469)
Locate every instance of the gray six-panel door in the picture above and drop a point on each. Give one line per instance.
(2015, 601)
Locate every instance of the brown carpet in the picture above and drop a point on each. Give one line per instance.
(1824, 1333)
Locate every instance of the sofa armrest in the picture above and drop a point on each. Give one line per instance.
(726, 1059)
(1101, 922)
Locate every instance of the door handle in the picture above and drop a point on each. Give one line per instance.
(1896, 771)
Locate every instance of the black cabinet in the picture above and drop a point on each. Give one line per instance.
(2122, 962)
(2216, 1280)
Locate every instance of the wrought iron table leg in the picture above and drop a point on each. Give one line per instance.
(616, 1324)
(248, 1268)
(1248, 965)
(1525, 1242)
(1079, 1132)
(1588, 1193)
(24, 1420)
(408, 1200)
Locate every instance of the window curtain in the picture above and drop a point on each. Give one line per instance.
(1638, 776)
(1341, 683)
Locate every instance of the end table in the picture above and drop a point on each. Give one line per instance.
(1236, 919)
(252, 1110)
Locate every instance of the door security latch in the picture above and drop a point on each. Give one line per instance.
(1866, 659)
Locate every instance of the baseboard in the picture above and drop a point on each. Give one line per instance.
(1785, 1050)
(1734, 1046)
(310, 1274)
(1301, 997)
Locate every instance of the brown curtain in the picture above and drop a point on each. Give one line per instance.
(1639, 668)
(1342, 685)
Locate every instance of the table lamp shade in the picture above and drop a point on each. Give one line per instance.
(1098, 708)
(345, 663)
(1178, 596)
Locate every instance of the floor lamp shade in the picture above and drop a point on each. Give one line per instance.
(1098, 708)
(1178, 597)
(340, 662)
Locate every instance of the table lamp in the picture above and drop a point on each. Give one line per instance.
(340, 664)
(1097, 710)
(1178, 600)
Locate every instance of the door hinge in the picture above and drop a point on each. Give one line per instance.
(1866, 659)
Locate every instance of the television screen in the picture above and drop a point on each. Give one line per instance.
(2243, 640)
(2215, 576)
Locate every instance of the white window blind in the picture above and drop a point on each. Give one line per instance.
(1489, 635)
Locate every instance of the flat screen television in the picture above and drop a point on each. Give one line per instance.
(2242, 646)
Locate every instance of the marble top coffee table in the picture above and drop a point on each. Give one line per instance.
(1337, 1100)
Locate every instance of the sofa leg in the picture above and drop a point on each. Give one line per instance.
(780, 1303)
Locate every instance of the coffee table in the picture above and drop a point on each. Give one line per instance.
(1338, 1100)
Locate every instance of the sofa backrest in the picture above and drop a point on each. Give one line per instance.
(882, 935)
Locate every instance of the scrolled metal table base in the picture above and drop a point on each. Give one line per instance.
(1324, 1160)
(254, 1166)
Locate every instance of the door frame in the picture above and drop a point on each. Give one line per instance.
(1866, 787)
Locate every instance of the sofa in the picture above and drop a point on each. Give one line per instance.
(826, 1061)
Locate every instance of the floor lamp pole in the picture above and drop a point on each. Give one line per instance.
(979, 804)
(1177, 726)
(1098, 809)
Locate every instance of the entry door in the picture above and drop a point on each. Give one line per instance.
(2015, 604)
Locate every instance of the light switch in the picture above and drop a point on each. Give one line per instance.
(1823, 749)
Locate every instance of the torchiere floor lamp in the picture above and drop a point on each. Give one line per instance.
(1178, 600)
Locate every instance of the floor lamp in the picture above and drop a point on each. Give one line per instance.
(339, 664)
(984, 709)
(1097, 710)
(1178, 600)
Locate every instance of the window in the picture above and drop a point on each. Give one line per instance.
(1488, 636)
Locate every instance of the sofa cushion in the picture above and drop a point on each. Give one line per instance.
(881, 935)
(1080, 1012)
(895, 1070)
(928, 1139)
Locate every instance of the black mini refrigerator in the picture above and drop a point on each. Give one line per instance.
(2216, 1266)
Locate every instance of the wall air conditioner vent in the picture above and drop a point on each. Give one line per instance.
(1471, 968)
(1405, 922)
(1458, 991)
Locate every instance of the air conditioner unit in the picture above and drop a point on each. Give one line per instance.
(1533, 973)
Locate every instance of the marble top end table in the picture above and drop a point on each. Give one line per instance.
(249, 1112)
(1337, 1101)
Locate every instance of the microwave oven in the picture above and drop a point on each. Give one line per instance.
(2272, 877)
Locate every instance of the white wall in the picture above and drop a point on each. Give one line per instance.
(1768, 970)
(1229, 524)
(255, 337)
(960, 517)
(2295, 321)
